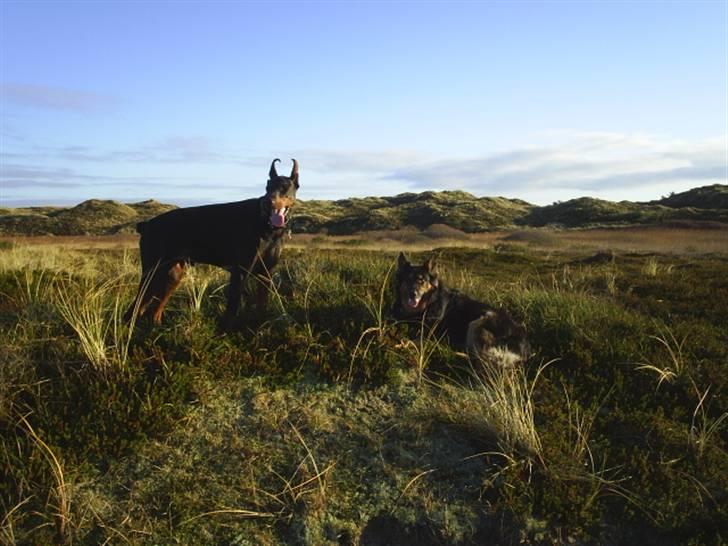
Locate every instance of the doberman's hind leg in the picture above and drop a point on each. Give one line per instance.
(150, 251)
(163, 285)
(145, 295)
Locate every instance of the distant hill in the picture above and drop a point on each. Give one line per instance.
(456, 209)
(706, 197)
(92, 217)
(590, 212)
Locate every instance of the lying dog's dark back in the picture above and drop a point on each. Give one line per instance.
(467, 324)
(244, 237)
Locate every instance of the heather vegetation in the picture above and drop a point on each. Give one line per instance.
(323, 421)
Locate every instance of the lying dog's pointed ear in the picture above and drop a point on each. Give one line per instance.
(431, 266)
(402, 261)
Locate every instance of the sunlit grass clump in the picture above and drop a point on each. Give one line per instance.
(95, 312)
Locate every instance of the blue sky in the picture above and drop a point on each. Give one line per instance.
(188, 102)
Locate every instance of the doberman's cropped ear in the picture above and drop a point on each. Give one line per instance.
(294, 173)
(272, 176)
(402, 262)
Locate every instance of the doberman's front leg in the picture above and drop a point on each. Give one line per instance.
(264, 285)
(262, 290)
(233, 299)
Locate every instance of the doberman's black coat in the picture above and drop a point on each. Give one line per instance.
(244, 237)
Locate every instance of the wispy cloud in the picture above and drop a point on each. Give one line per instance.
(55, 98)
(26, 176)
(200, 149)
(561, 166)
(9, 132)
(173, 149)
(22, 185)
(587, 162)
(30, 176)
(359, 161)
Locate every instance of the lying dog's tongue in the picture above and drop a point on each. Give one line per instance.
(278, 218)
(413, 302)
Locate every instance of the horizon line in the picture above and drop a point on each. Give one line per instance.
(35, 203)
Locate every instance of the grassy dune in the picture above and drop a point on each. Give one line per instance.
(429, 211)
(324, 422)
(92, 217)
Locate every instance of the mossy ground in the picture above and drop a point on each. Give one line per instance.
(315, 423)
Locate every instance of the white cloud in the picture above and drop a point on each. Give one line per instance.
(585, 163)
(554, 166)
(173, 149)
(340, 161)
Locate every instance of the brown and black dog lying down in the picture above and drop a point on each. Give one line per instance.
(244, 237)
(486, 333)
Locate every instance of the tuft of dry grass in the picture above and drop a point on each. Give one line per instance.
(675, 365)
(61, 510)
(7, 525)
(375, 333)
(95, 311)
(652, 267)
(419, 352)
(197, 282)
(506, 397)
(702, 426)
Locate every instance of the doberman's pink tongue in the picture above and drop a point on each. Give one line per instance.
(277, 218)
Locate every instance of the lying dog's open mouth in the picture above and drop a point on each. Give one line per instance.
(278, 217)
(415, 302)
